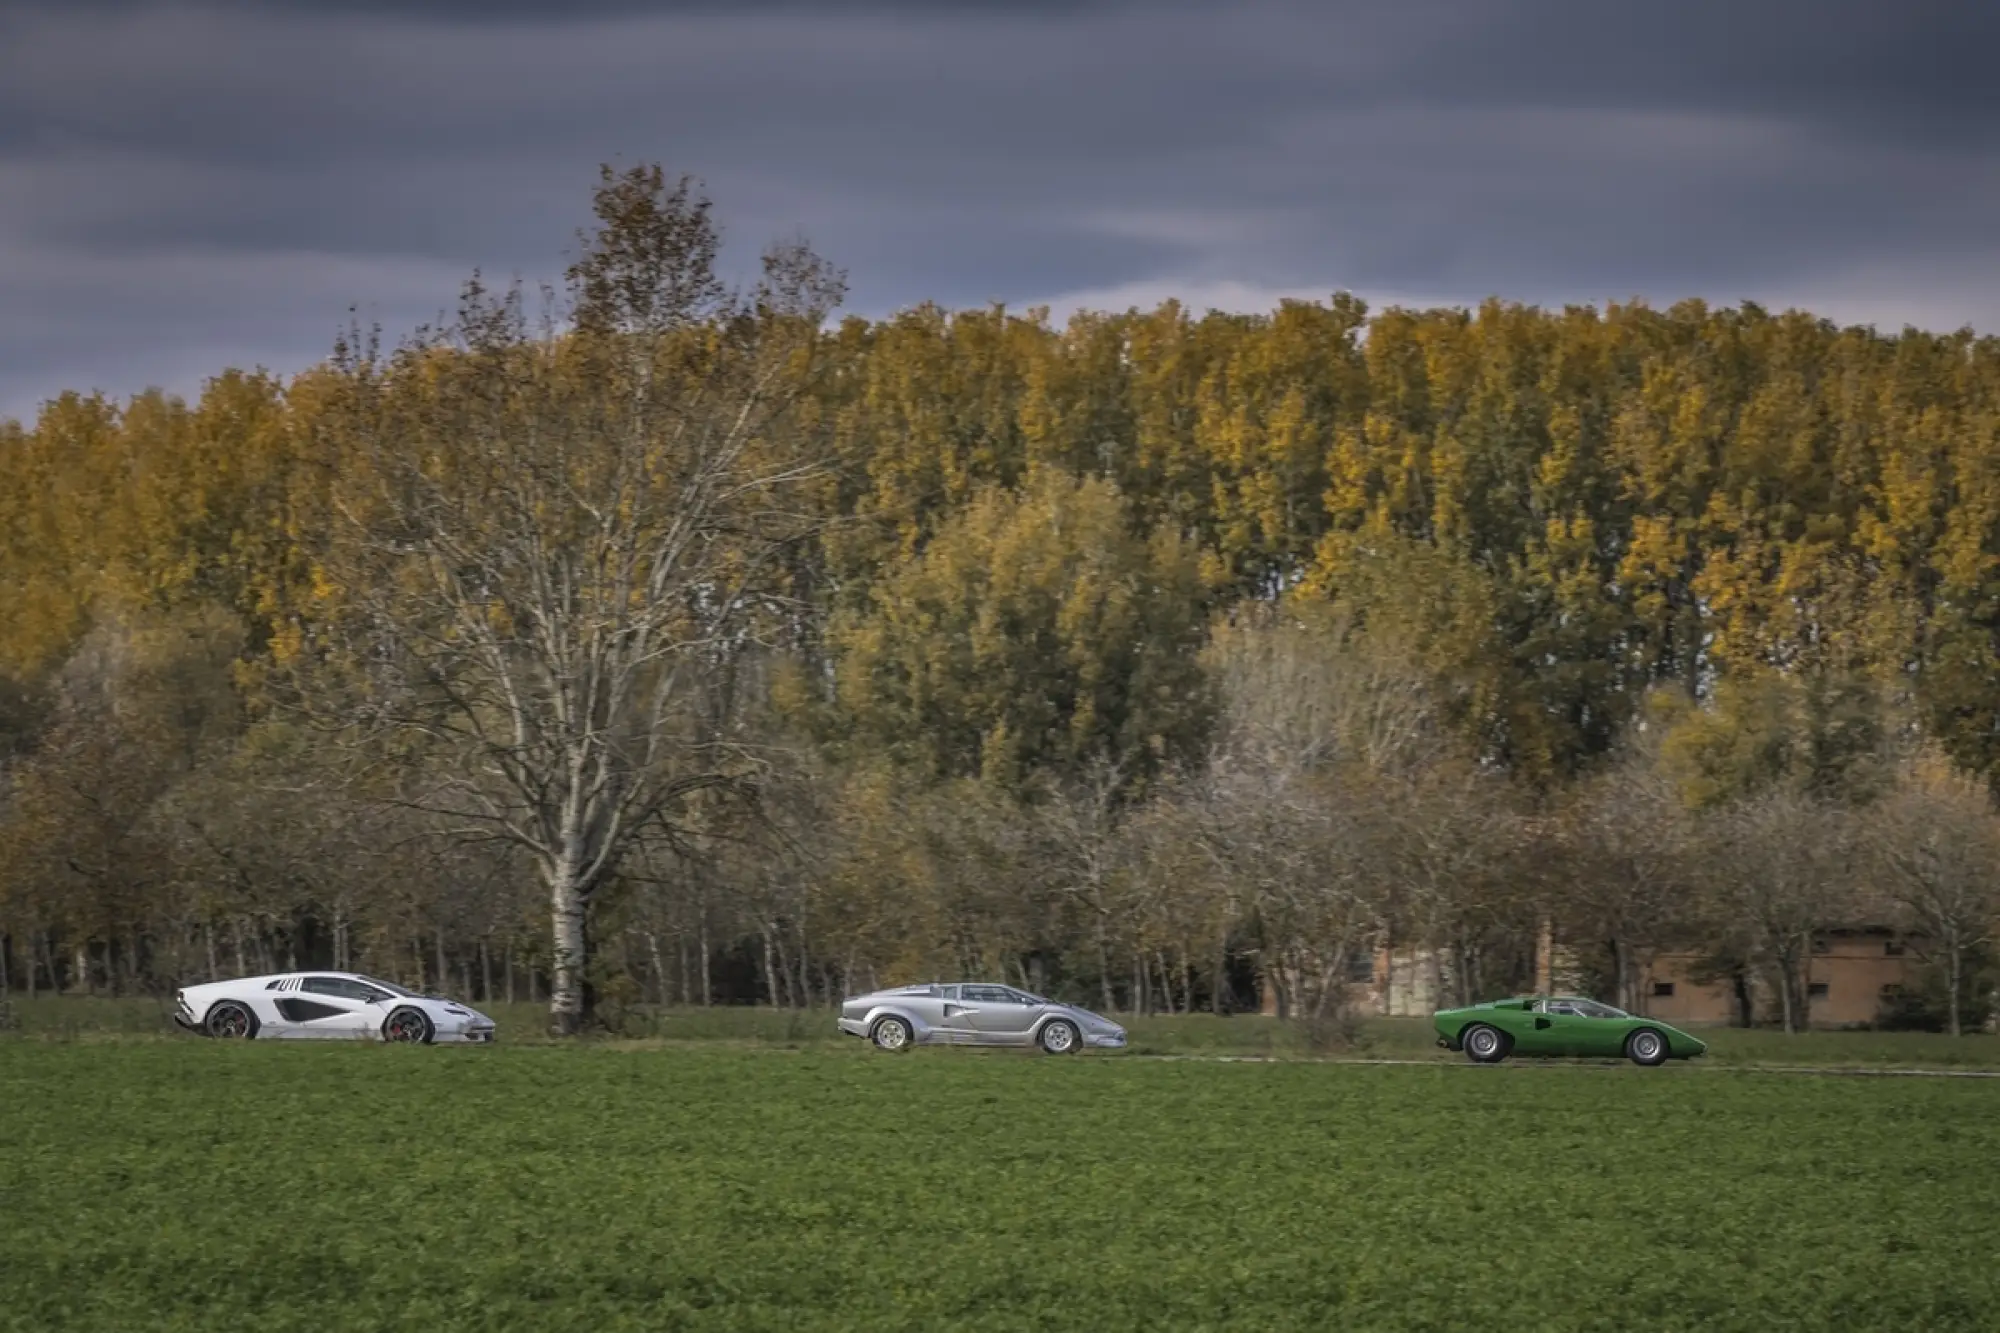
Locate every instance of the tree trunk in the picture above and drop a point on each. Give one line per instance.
(770, 972)
(1786, 995)
(1545, 953)
(707, 983)
(567, 1000)
(1215, 1001)
(659, 969)
(1954, 966)
(1104, 966)
(805, 991)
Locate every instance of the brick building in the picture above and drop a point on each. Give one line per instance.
(1853, 972)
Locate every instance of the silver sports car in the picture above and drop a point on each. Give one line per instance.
(973, 1014)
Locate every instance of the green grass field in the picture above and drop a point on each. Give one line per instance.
(731, 1185)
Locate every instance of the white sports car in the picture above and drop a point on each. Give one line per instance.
(326, 1005)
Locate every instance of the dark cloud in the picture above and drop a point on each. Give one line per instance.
(187, 185)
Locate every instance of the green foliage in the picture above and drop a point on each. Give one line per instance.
(619, 1189)
(1036, 631)
(1824, 737)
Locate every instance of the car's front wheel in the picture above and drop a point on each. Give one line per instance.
(1646, 1047)
(1484, 1045)
(408, 1025)
(892, 1034)
(1060, 1037)
(231, 1020)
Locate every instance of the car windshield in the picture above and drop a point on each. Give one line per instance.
(391, 987)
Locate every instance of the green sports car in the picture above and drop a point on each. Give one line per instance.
(1560, 1025)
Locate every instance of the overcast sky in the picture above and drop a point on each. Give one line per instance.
(186, 186)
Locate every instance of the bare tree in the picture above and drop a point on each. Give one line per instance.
(1933, 847)
(1784, 874)
(550, 541)
(1628, 878)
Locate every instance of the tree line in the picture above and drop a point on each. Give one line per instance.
(659, 641)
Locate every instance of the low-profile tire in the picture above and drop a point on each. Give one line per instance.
(1646, 1047)
(892, 1034)
(408, 1024)
(1483, 1045)
(230, 1021)
(1059, 1036)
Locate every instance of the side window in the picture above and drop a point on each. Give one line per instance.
(988, 995)
(342, 987)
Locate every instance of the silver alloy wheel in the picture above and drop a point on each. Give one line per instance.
(1060, 1037)
(1483, 1044)
(229, 1020)
(1647, 1047)
(892, 1034)
(407, 1025)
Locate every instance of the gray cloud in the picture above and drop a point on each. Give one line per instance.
(184, 186)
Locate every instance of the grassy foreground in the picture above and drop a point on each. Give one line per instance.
(190, 1185)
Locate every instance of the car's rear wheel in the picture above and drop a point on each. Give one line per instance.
(1484, 1045)
(1060, 1037)
(1646, 1047)
(892, 1034)
(231, 1020)
(408, 1024)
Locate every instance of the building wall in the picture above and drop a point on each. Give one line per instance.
(1849, 974)
(1855, 968)
(1398, 983)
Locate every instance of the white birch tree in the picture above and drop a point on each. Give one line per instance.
(545, 544)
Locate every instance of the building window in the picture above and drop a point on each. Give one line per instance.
(1361, 967)
(1663, 990)
(1892, 948)
(1821, 946)
(1816, 991)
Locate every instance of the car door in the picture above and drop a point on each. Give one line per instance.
(1601, 1030)
(944, 1013)
(330, 1007)
(999, 1015)
(1555, 1029)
